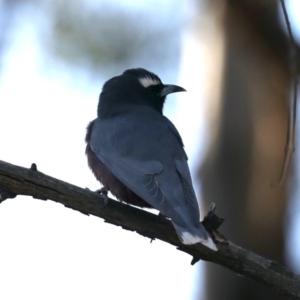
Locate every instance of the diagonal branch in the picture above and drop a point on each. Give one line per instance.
(30, 182)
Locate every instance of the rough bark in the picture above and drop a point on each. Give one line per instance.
(16, 180)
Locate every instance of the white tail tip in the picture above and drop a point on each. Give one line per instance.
(189, 239)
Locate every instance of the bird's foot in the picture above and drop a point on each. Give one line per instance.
(103, 192)
(212, 222)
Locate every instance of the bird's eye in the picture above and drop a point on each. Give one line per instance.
(154, 89)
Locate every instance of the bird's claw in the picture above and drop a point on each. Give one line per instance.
(103, 192)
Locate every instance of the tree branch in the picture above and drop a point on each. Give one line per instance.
(16, 180)
(291, 131)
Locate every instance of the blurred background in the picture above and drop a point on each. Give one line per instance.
(233, 59)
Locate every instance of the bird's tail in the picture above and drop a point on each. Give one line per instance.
(195, 235)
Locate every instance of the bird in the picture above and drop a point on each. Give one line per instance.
(138, 155)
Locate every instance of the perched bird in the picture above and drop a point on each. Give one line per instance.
(138, 155)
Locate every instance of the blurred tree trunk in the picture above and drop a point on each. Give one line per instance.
(247, 151)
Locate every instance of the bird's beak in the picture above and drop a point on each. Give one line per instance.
(169, 89)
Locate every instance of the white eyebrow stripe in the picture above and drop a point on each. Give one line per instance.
(147, 81)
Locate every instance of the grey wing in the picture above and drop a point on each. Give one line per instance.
(144, 152)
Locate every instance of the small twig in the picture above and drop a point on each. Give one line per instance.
(290, 145)
(287, 21)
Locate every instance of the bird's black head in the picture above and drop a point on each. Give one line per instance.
(134, 87)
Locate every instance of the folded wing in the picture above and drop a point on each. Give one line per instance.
(143, 150)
